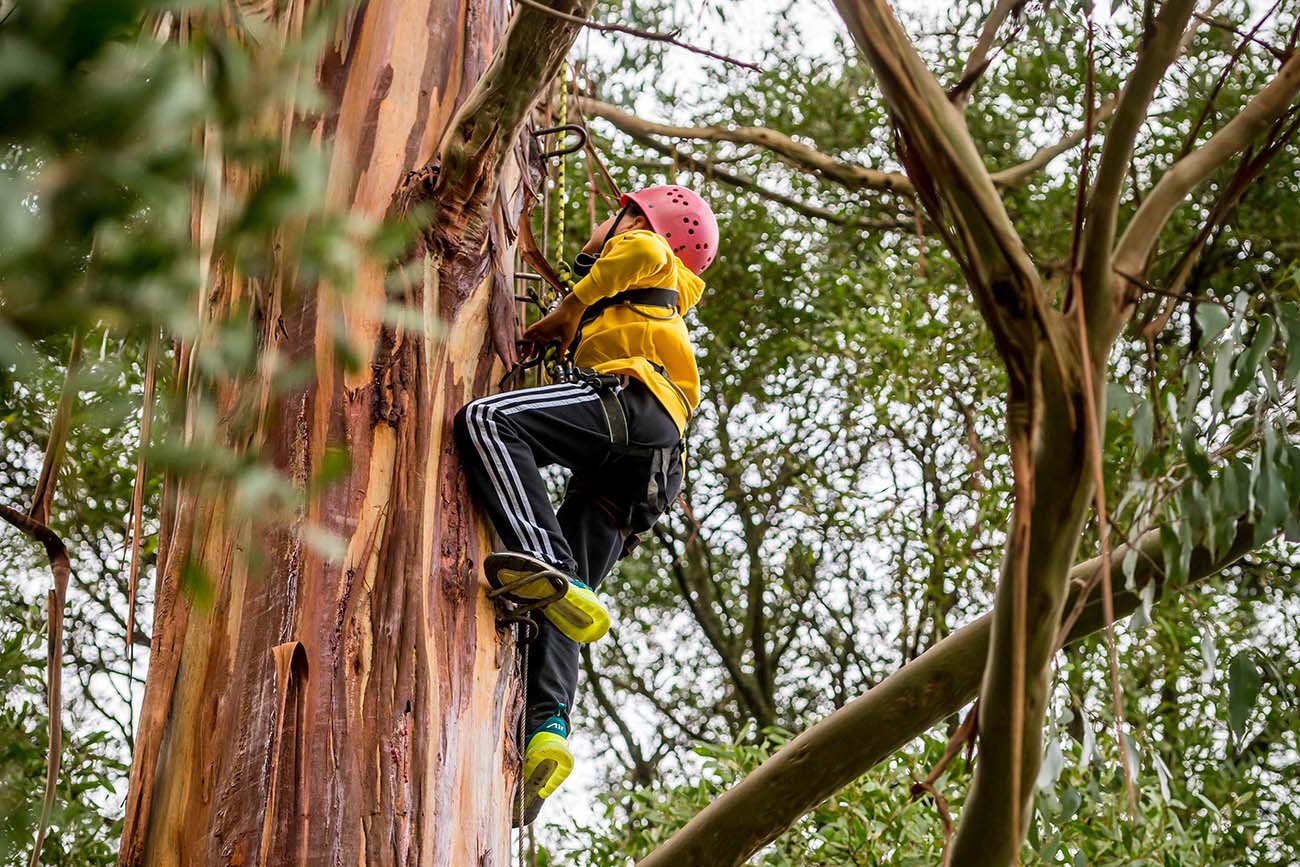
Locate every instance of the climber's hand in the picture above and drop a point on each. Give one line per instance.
(558, 326)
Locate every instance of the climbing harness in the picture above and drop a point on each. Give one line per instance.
(636, 299)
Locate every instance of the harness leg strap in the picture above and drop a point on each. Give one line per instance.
(614, 417)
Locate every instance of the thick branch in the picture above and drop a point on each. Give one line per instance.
(1139, 238)
(842, 747)
(811, 161)
(464, 175)
(953, 183)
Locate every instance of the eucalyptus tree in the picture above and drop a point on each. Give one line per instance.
(318, 644)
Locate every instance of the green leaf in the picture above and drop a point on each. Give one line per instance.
(1162, 775)
(1134, 754)
(1221, 376)
(1172, 553)
(1289, 315)
(1243, 690)
(1292, 528)
(1053, 763)
(1249, 363)
(1209, 655)
(1142, 616)
(1129, 566)
(1191, 392)
(1196, 458)
(1071, 800)
(335, 464)
(1212, 318)
(1118, 399)
(1143, 425)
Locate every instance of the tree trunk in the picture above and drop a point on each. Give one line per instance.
(354, 712)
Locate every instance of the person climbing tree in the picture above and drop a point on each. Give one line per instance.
(628, 384)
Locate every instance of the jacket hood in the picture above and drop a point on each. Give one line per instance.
(689, 286)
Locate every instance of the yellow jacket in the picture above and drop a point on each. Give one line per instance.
(632, 338)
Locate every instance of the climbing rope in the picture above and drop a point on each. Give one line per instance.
(561, 181)
(523, 733)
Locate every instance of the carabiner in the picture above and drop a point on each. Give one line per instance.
(574, 128)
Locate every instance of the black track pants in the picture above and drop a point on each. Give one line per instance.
(506, 439)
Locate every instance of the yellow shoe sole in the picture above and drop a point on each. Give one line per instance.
(547, 764)
(579, 615)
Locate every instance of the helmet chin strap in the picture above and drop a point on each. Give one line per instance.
(614, 225)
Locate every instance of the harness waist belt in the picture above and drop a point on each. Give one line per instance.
(654, 296)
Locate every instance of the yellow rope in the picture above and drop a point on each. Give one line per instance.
(561, 186)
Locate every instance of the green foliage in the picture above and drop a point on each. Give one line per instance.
(101, 165)
(81, 834)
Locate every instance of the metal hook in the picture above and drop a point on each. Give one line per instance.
(574, 128)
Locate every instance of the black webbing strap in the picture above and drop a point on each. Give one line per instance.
(607, 386)
(615, 418)
(651, 296)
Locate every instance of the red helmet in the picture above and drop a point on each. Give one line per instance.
(684, 219)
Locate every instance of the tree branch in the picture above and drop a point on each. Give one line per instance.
(953, 183)
(710, 169)
(979, 58)
(669, 38)
(794, 153)
(923, 693)
(809, 160)
(1010, 177)
(643, 771)
(463, 176)
(60, 569)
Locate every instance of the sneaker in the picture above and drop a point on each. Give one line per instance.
(547, 762)
(526, 581)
